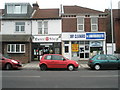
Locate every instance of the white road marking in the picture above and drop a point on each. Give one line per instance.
(22, 76)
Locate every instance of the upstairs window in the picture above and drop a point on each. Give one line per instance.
(94, 24)
(43, 27)
(20, 27)
(80, 23)
(16, 9)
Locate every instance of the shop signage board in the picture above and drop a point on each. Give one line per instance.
(95, 35)
(84, 36)
(47, 38)
(75, 48)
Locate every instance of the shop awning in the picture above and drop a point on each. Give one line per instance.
(15, 38)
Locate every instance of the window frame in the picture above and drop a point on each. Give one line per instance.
(43, 28)
(12, 9)
(94, 24)
(9, 48)
(83, 24)
(21, 28)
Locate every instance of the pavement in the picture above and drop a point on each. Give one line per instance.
(35, 65)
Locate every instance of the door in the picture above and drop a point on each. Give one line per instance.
(112, 61)
(59, 61)
(102, 60)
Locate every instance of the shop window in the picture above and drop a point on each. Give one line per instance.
(66, 49)
(86, 42)
(57, 50)
(81, 55)
(66, 42)
(81, 42)
(86, 55)
(75, 42)
(86, 47)
(16, 48)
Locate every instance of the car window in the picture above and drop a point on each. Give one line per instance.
(49, 57)
(111, 57)
(56, 57)
(102, 57)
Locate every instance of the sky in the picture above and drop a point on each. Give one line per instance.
(100, 5)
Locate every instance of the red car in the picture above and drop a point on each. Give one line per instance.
(57, 61)
(8, 64)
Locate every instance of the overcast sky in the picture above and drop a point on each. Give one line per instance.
(100, 5)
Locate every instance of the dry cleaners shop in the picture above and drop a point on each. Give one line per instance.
(81, 46)
(45, 45)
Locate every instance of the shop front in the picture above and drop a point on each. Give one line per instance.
(82, 46)
(41, 45)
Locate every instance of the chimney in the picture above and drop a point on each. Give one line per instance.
(35, 6)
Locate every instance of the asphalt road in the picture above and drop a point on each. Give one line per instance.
(60, 79)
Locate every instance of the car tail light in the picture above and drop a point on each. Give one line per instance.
(91, 61)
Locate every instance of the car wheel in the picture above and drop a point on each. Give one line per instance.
(71, 67)
(8, 66)
(97, 67)
(43, 67)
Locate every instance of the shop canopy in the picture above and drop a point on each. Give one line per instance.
(15, 38)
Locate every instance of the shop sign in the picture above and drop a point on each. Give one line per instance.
(77, 35)
(95, 35)
(75, 48)
(46, 39)
(96, 44)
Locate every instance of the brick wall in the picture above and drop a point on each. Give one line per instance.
(87, 25)
(69, 25)
(23, 57)
(102, 24)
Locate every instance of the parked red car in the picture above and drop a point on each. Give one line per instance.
(8, 64)
(57, 61)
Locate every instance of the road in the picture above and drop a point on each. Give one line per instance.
(84, 78)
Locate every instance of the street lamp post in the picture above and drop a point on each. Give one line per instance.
(112, 29)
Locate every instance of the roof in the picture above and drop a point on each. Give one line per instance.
(79, 9)
(46, 13)
(15, 38)
(116, 12)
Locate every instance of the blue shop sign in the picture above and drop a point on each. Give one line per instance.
(95, 35)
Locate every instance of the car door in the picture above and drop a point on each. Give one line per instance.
(102, 60)
(113, 61)
(59, 61)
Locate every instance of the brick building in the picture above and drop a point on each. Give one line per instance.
(83, 32)
(116, 31)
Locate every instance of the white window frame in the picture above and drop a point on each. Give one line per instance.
(11, 9)
(82, 24)
(43, 28)
(15, 51)
(20, 27)
(95, 24)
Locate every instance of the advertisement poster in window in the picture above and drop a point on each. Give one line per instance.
(75, 48)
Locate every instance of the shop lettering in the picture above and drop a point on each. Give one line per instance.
(95, 36)
(46, 39)
(77, 36)
(98, 36)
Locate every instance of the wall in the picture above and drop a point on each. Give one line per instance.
(23, 57)
(54, 27)
(8, 27)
